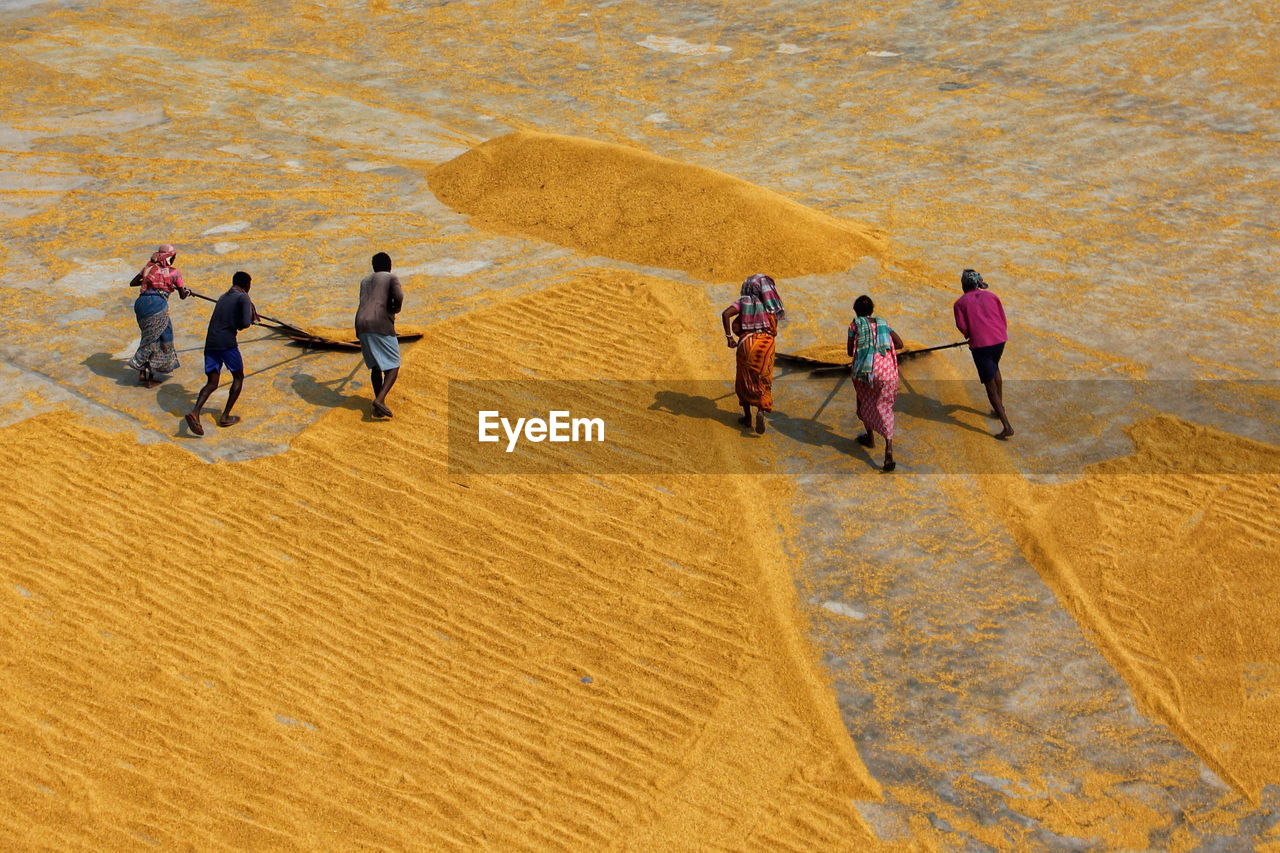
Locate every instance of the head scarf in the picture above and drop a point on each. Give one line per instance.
(872, 337)
(159, 273)
(974, 278)
(759, 297)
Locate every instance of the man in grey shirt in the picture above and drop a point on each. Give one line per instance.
(381, 298)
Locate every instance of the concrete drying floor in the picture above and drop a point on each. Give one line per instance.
(1110, 171)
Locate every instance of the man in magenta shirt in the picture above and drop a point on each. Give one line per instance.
(980, 318)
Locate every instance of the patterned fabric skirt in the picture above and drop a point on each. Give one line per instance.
(155, 351)
(876, 397)
(754, 379)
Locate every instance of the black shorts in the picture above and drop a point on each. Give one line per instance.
(987, 360)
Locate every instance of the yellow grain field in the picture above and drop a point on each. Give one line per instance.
(344, 645)
(318, 630)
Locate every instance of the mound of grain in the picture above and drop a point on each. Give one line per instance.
(634, 206)
(1174, 574)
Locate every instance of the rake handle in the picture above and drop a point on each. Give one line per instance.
(834, 367)
(256, 322)
(933, 349)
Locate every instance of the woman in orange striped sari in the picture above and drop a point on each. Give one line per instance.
(754, 317)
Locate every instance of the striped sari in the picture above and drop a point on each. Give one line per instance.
(759, 310)
(155, 349)
(753, 380)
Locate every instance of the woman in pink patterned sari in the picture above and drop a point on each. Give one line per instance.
(873, 347)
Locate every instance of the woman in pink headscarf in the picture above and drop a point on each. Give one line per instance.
(157, 279)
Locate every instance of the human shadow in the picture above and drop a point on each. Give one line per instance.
(110, 367)
(804, 430)
(326, 394)
(699, 406)
(692, 406)
(174, 398)
(817, 434)
(911, 402)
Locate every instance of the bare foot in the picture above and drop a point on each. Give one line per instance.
(228, 420)
(759, 423)
(866, 440)
(889, 464)
(745, 420)
(381, 410)
(1004, 433)
(193, 423)
(145, 379)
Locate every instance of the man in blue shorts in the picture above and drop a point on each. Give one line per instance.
(381, 298)
(233, 313)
